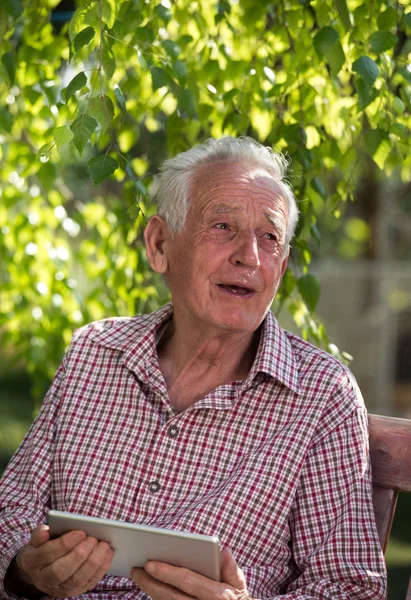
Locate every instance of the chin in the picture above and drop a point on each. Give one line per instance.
(240, 323)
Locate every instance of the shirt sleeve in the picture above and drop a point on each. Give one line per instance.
(25, 485)
(335, 544)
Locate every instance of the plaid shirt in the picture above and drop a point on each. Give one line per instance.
(276, 466)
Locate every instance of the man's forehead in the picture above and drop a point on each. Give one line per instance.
(212, 172)
(222, 208)
(252, 181)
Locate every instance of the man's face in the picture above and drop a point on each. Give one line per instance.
(224, 269)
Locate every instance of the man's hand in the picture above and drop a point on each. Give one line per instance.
(66, 566)
(165, 582)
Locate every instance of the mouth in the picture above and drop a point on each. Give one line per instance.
(236, 290)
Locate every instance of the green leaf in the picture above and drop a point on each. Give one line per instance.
(62, 135)
(163, 13)
(373, 139)
(382, 40)
(315, 234)
(400, 130)
(160, 78)
(405, 73)
(108, 61)
(3, 22)
(344, 13)
(120, 97)
(180, 69)
(9, 61)
(108, 11)
(44, 151)
(365, 93)
(287, 284)
(398, 105)
(228, 96)
(134, 211)
(84, 15)
(171, 48)
(407, 19)
(13, 7)
(47, 174)
(102, 109)
(378, 146)
(79, 81)
(84, 37)
(382, 153)
(387, 19)
(83, 128)
(101, 167)
(309, 288)
(327, 45)
(141, 60)
(224, 7)
(318, 186)
(367, 69)
(187, 103)
(336, 58)
(362, 18)
(185, 40)
(324, 39)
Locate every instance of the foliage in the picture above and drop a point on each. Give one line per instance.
(126, 83)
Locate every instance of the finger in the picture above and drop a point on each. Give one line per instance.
(52, 550)
(156, 589)
(93, 568)
(104, 567)
(231, 572)
(189, 582)
(61, 569)
(40, 535)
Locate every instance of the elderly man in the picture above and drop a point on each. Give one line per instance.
(204, 416)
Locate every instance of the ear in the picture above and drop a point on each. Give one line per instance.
(156, 235)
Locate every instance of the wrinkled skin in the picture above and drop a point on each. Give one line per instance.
(66, 566)
(165, 582)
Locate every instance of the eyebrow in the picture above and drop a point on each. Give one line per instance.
(223, 208)
(275, 221)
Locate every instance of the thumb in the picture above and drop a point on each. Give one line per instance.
(231, 572)
(40, 535)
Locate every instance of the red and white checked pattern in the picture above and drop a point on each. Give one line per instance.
(276, 466)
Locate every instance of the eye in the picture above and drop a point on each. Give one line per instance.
(271, 236)
(223, 226)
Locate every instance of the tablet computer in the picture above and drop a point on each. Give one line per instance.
(135, 544)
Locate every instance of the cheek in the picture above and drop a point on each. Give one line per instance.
(273, 272)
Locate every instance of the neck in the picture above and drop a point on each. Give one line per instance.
(225, 348)
(195, 364)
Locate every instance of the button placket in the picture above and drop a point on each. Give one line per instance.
(171, 432)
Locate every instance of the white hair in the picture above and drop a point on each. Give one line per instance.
(176, 174)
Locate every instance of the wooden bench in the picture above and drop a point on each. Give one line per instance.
(390, 450)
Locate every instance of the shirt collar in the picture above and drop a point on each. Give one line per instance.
(275, 355)
(136, 337)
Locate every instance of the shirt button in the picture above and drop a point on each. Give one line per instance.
(154, 487)
(173, 431)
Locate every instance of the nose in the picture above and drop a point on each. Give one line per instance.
(245, 252)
